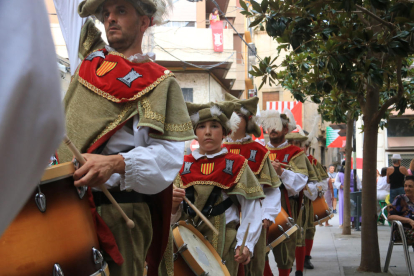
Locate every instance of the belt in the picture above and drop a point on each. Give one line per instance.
(120, 196)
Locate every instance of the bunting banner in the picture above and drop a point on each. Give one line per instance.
(217, 30)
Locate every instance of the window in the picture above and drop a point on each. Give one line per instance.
(400, 128)
(406, 159)
(188, 94)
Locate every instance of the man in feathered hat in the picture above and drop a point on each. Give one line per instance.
(218, 182)
(294, 179)
(128, 115)
(316, 188)
(240, 142)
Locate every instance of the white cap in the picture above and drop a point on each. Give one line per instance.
(396, 157)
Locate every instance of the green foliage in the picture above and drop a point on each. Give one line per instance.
(338, 51)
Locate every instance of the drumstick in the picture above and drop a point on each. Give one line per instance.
(244, 240)
(307, 189)
(82, 161)
(199, 214)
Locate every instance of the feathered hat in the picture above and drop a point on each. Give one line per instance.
(299, 136)
(313, 134)
(272, 119)
(156, 10)
(220, 112)
(249, 109)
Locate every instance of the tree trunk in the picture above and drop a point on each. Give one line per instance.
(346, 226)
(370, 256)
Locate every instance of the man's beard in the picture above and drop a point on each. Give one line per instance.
(277, 140)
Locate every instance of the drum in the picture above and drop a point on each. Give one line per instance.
(321, 210)
(193, 254)
(54, 233)
(281, 230)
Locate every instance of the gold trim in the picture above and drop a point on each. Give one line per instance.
(117, 54)
(115, 123)
(93, 33)
(149, 114)
(116, 100)
(215, 236)
(250, 190)
(168, 255)
(263, 161)
(265, 176)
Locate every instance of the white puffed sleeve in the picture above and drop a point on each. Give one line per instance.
(313, 189)
(153, 164)
(271, 205)
(293, 182)
(251, 210)
(323, 184)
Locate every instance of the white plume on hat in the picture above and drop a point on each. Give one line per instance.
(313, 134)
(292, 122)
(269, 120)
(300, 130)
(234, 123)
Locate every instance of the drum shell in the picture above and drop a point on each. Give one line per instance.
(274, 232)
(319, 208)
(180, 266)
(64, 234)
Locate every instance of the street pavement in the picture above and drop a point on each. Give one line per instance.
(334, 254)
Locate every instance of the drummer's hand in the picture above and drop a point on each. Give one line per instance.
(98, 169)
(278, 168)
(243, 259)
(178, 197)
(267, 223)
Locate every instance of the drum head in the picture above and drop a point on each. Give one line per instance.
(200, 252)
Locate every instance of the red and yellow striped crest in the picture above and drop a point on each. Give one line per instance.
(105, 67)
(235, 151)
(207, 168)
(272, 156)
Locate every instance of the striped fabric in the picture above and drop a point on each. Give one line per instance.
(105, 67)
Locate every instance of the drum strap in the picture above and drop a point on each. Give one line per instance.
(120, 197)
(209, 210)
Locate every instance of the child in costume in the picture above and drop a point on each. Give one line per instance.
(218, 182)
(294, 179)
(240, 142)
(317, 188)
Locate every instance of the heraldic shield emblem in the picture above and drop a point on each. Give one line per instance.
(105, 68)
(207, 168)
(235, 151)
(272, 156)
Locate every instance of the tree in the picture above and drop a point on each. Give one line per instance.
(348, 56)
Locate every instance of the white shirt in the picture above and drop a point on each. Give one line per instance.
(293, 182)
(250, 209)
(31, 113)
(152, 164)
(382, 184)
(271, 204)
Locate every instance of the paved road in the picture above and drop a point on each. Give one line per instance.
(335, 255)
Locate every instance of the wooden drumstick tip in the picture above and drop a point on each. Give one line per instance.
(130, 224)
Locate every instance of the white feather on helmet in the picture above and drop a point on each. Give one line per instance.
(269, 120)
(292, 122)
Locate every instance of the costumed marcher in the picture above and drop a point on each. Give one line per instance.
(31, 114)
(293, 180)
(395, 176)
(128, 115)
(219, 182)
(339, 184)
(240, 142)
(316, 189)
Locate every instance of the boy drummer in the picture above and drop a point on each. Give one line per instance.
(240, 142)
(217, 181)
(294, 181)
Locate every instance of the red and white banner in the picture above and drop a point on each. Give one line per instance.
(217, 29)
(294, 106)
